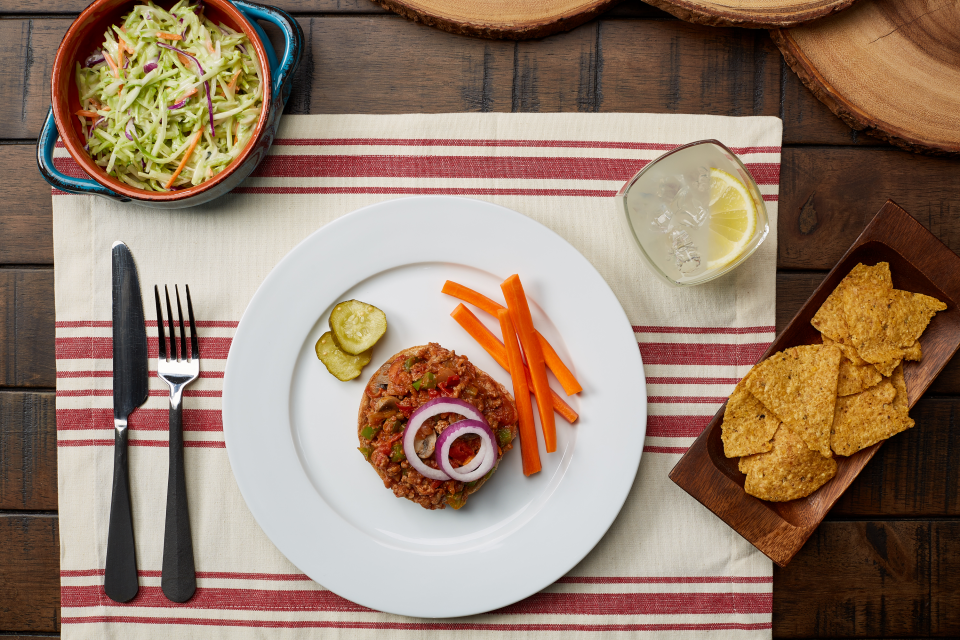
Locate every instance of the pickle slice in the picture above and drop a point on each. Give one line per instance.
(343, 366)
(356, 325)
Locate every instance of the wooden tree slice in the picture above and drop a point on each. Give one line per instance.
(758, 14)
(887, 67)
(500, 19)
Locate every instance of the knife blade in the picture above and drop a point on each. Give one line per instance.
(130, 390)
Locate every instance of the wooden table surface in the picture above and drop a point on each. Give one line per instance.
(885, 563)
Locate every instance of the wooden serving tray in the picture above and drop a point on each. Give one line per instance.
(920, 263)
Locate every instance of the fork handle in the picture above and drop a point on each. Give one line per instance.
(120, 574)
(178, 579)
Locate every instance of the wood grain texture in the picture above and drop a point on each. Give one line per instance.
(828, 196)
(675, 67)
(28, 450)
(29, 573)
(26, 229)
(500, 19)
(872, 579)
(757, 14)
(888, 67)
(27, 49)
(26, 328)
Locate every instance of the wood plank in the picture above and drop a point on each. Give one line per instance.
(676, 67)
(38, 7)
(806, 120)
(26, 227)
(828, 195)
(29, 573)
(558, 74)
(351, 65)
(27, 328)
(875, 578)
(27, 49)
(28, 451)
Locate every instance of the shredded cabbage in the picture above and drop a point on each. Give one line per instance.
(148, 96)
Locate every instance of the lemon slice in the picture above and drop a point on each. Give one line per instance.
(733, 219)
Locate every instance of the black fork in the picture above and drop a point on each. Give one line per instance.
(178, 578)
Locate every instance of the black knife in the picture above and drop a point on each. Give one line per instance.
(130, 390)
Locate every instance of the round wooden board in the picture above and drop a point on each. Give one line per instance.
(887, 67)
(758, 14)
(500, 19)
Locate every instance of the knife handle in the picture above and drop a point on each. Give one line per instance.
(120, 575)
(178, 579)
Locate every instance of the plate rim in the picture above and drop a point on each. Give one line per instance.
(233, 378)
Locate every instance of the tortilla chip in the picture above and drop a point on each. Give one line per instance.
(748, 426)
(913, 353)
(789, 471)
(901, 402)
(830, 319)
(856, 378)
(800, 386)
(885, 324)
(886, 368)
(865, 419)
(848, 350)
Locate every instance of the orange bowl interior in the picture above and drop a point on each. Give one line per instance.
(84, 37)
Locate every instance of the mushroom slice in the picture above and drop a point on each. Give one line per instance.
(424, 446)
(385, 403)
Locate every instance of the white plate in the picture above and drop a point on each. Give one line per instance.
(290, 427)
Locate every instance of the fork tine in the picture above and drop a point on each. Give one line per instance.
(183, 334)
(161, 336)
(194, 348)
(174, 354)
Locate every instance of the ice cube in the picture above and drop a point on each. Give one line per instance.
(686, 256)
(703, 179)
(663, 221)
(668, 188)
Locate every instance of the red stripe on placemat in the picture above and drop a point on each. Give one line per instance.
(109, 374)
(669, 580)
(139, 420)
(538, 604)
(682, 399)
(427, 191)
(677, 426)
(73, 324)
(704, 354)
(418, 626)
(200, 444)
(690, 380)
(655, 449)
(227, 575)
(469, 167)
(154, 393)
(703, 330)
(102, 347)
(453, 142)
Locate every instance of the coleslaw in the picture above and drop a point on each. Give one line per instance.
(170, 98)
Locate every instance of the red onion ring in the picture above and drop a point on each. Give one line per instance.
(422, 414)
(150, 66)
(487, 453)
(94, 59)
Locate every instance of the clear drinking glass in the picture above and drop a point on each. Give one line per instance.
(667, 212)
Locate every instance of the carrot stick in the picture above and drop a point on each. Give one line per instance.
(87, 114)
(186, 157)
(168, 36)
(520, 314)
(113, 65)
(120, 56)
(187, 94)
(233, 80)
(479, 332)
(564, 376)
(521, 393)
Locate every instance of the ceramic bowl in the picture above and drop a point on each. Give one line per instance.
(86, 34)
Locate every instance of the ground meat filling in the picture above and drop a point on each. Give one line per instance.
(409, 381)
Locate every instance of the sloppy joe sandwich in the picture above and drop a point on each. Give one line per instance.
(434, 427)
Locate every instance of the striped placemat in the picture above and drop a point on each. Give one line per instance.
(666, 567)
